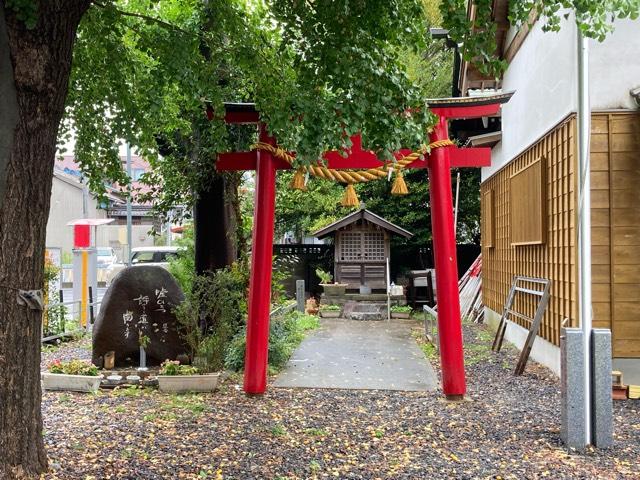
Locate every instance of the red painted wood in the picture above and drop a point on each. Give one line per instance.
(237, 161)
(461, 111)
(82, 236)
(444, 248)
(234, 161)
(358, 159)
(255, 367)
(470, 157)
(242, 117)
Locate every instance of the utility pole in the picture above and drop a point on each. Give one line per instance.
(584, 222)
(129, 206)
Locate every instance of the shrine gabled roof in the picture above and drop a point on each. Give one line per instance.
(360, 215)
(474, 100)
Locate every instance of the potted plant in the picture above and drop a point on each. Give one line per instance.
(74, 375)
(398, 311)
(176, 378)
(330, 289)
(330, 311)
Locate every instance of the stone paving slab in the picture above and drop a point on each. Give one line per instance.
(352, 354)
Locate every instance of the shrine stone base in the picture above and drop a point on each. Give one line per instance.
(357, 297)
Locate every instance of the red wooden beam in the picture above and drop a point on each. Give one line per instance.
(242, 117)
(234, 161)
(472, 111)
(470, 157)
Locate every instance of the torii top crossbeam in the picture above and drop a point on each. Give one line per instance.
(438, 163)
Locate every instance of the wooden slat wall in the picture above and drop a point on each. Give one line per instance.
(600, 222)
(555, 258)
(528, 219)
(616, 146)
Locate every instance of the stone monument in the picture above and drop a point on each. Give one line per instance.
(139, 303)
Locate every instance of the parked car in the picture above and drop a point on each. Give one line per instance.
(154, 256)
(106, 256)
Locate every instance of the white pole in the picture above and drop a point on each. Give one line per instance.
(584, 222)
(388, 291)
(129, 207)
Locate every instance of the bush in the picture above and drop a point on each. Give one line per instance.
(401, 309)
(212, 313)
(285, 334)
(183, 266)
(74, 367)
(173, 367)
(330, 308)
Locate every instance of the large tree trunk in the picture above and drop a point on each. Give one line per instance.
(34, 75)
(215, 225)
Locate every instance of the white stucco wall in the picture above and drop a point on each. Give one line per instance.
(66, 205)
(615, 67)
(543, 75)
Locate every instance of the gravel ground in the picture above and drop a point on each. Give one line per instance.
(508, 428)
(78, 349)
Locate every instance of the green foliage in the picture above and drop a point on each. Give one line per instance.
(143, 341)
(212, 313)
(285, 334)
(173, 367)
(401, 309)
(183, 265)
(26, 11)
(74, 367)
(477, 38)
(325, 277)
(330, 308)
(304, 212)
(315, 69)
(278, 291)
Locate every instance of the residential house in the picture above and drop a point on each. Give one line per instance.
(529, 194)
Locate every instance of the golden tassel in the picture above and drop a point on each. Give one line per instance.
(350, 198)
(399, 186)
(297, 182)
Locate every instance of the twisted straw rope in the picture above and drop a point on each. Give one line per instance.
(353, 176)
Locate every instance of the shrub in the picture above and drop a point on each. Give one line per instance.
(325, 277)
(74, 367)
(330, 308)
(173, 367)
(401, 309)
(212, 313)
(285, 334)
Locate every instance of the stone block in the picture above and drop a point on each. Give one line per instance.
(300, 295)
(572, 385)
(601, 384)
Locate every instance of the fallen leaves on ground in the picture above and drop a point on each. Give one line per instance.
(508, 429)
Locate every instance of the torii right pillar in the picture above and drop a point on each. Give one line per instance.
(444, 232)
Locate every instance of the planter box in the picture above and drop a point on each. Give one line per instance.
(400, 315)
(188, 383)
(334, 289)
(330, 313)
(73, 383)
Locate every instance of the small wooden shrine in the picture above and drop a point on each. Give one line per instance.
(361, 248)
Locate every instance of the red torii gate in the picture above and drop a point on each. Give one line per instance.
(439, 164)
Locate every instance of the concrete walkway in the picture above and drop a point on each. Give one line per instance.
(351, 354)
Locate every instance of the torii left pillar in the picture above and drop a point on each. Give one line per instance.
(255, 367)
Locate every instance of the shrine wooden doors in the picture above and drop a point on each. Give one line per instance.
(361, 251)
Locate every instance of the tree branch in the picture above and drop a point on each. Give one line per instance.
(148, 18)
